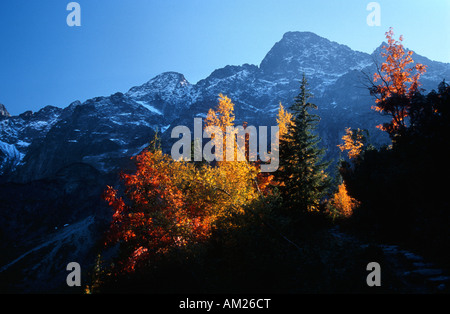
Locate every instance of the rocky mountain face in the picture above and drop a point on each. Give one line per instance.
(55, 163)
(104, 130)
(18, 132)
(3, 112)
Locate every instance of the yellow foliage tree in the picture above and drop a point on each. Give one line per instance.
(284, 121)
(343, 203)
(223, 116)
(353, 142)
(174, 204)
(239, 174)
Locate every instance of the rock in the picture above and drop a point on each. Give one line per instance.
(35, 250)
(3, 112)
(104, 130)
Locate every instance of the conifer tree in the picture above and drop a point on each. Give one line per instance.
(302, 177)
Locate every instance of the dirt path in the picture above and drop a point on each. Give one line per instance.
(412, 272)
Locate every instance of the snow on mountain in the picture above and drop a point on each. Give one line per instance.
(3, 112)
(165, 94)
(322, 61)
(18, 132)
(10, 155)
(149, 107)
(64, 158)
(104, 130)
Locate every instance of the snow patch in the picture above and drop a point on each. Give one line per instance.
(23, 144)
(149, 107)
(10, 151)
(164, 128)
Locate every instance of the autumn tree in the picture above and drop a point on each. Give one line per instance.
(223, 115)
(239, 165)
(284, 121)
(342, 204)
(157, 213)
(172, 205)
(221, 118)
(398, 82)
(399, 187)
(354, 141)
(302, 171)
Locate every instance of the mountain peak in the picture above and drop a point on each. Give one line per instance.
(306, 52)
(167, 81)
(171, 76)
(3, 112)
(297, 35)
(377, 51)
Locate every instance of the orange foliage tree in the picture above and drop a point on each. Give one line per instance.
(353, 142)
(398, 82)
(342, 203)
(171, 204)
(159, 214)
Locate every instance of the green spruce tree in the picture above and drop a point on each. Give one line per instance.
(304, 182)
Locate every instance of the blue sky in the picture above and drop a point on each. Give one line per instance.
(121, 44)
